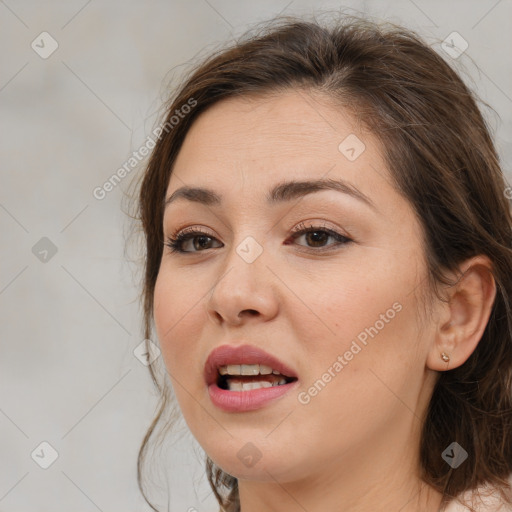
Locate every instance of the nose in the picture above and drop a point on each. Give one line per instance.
(244, 291)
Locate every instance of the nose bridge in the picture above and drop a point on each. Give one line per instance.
(249, 249)
(243, 266)
(249, 233)
(243, 284)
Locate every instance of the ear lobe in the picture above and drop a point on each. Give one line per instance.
(464, 316)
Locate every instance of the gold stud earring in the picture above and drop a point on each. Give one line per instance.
(445, 357)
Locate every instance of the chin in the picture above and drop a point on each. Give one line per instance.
(246, 462)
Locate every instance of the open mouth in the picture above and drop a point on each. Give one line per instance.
(246, 377)
(243, 378)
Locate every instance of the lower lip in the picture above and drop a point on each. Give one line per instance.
(241, 401)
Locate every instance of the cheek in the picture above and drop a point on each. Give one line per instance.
(370, 377)
(178, 315)
(371, 322)
(365, 299)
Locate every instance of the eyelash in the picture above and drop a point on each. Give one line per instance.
(174, 242)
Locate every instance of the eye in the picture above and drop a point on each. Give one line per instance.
(180, 241)
(192, 240)
(317, 236)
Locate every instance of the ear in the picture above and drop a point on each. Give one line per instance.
(463, 318)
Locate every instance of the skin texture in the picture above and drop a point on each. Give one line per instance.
(354, 446)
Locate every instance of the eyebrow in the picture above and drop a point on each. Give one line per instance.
(282, 192)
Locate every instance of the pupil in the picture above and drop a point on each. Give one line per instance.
(202, 242)
(322, 236)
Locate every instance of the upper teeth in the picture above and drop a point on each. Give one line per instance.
(247, 369)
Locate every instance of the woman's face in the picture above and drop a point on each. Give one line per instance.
(337, 304)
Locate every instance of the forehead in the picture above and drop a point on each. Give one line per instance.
(254, 141)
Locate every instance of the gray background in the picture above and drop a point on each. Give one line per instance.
(70, 321)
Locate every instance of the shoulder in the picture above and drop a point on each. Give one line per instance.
(485, 499)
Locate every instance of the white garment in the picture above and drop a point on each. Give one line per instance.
(454, 506)
(489, 502)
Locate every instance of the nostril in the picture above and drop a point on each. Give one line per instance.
(252, 312)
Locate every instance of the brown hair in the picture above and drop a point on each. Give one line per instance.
(442, 159)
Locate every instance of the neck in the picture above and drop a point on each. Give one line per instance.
(411, 496)
(367, 478)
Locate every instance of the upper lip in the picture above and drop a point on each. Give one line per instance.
(241, 354)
